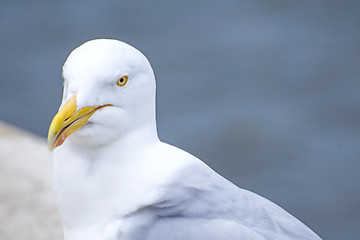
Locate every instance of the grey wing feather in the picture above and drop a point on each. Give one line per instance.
(204, 205)
(179, 228)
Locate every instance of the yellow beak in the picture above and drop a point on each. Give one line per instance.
(68, 120)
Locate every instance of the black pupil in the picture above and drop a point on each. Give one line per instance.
(121, 79)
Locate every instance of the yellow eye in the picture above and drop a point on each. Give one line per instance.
(122, 81)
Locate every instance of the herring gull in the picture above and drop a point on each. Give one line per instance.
(115, 180)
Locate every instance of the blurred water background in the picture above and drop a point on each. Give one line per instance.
(266, 92)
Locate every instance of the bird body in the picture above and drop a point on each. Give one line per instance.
(114, 178)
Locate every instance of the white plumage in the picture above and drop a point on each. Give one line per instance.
(115, 180)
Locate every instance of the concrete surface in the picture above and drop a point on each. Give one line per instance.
(27, 203)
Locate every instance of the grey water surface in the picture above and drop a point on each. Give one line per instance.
(266, 92)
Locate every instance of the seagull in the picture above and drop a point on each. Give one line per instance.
(115, 180)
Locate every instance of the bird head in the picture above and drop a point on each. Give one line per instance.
(109, 89)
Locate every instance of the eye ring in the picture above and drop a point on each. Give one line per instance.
(121, 82)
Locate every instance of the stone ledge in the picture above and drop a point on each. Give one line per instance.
(28, 207)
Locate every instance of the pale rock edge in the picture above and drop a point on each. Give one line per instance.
(27, 201)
